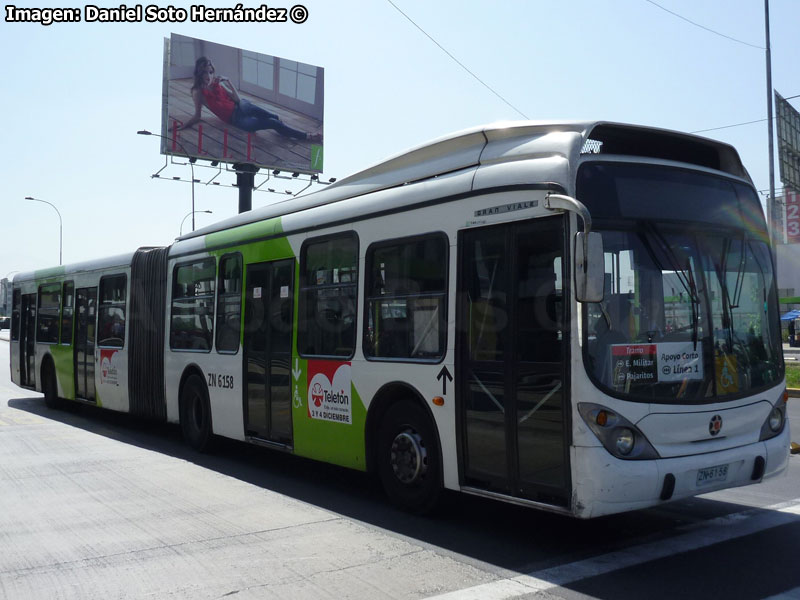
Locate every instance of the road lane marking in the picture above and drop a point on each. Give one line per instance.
(793, 594)
(15, 418)
(698, 535)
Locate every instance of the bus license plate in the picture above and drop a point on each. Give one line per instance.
(718, 473)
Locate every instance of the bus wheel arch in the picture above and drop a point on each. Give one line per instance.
(404, 448)
(195, 409)
(47, 375)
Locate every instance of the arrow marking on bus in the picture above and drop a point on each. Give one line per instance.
(444, 375)
(296, 371)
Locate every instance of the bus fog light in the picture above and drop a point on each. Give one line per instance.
(776, 419)
(624, 441)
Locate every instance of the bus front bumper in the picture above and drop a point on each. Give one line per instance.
(605, 485)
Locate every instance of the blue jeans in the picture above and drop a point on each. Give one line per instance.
(250, 117)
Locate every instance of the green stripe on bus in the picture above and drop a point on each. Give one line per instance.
(47, 273)
(63, 361)
(239, 235)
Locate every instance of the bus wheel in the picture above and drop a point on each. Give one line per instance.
(408, 458)
(50, 387)
(196, 414)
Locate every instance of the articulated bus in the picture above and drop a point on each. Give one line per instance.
(578, 317)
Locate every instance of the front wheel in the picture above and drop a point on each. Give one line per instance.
(408, 458)
(196, 414)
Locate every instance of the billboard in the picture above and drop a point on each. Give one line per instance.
(792, 201)
(231, 105)
(788, 122)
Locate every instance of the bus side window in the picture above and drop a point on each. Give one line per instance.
(48, 317)
(406, 298)
(229, 303)
(111, 318)
(328, 281)
(67, 310)
(192, 318)
(16, 303)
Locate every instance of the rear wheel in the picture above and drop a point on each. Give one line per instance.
(196, 414)
(408, 457)
(50, 387)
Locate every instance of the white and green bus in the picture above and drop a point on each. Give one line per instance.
(579, 317)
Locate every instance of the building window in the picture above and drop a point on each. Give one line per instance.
(258, 69)
(181, 52)
(406, 299)
(298, 80)
(192, 322)
(111, 317)
(67, 311)
(229, 303)
(49, 307)
(329, 276)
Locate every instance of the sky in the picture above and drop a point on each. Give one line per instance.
(74, 95)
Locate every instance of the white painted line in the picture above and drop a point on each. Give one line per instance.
(699, 535)
(787, 595)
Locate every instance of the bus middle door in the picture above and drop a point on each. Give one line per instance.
(268, 318)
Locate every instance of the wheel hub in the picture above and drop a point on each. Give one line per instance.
(409, 458)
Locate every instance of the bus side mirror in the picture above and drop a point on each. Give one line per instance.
(589, 267)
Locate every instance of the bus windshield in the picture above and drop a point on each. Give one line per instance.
(690, 312)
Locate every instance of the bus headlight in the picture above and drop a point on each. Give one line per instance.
(618, 435)
(776, 419)
(625, 440)
(775, 422)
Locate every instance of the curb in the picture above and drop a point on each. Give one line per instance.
(793, 392)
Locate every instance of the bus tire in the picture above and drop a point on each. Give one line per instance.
(196, 414)
(50, 387)
(409, 464)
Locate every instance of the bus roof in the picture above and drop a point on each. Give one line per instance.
(109, 262)
(504, 142)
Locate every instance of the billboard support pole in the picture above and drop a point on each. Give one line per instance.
(245, 181)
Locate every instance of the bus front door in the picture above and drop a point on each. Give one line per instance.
(511, 363)
(268, 318)
(27, 341)
(86, 310)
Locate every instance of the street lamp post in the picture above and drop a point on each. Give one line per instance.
(60, 224)
(192, 213)
(191, 161)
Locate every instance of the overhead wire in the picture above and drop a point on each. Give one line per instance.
(729, 126)
(740, 124)
(674, 14)
(458, 62)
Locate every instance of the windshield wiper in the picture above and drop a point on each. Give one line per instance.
(693, 286)
(728, 305)
(685, 277)
(737, 289)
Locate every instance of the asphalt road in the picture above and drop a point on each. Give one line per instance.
(95, 504)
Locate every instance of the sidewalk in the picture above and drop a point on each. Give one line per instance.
(4, 334)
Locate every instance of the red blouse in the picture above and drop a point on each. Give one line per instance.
(219, 101)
